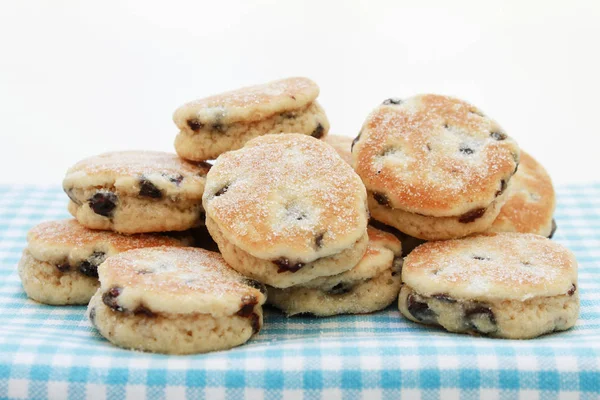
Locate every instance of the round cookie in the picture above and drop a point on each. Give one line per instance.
(530, 203)
(216, 124)
(341, 144)
(175, 300)
(371, 285)
(136, 192)
(507, 285)
(435, 167)
(279, 214)
(59, 266)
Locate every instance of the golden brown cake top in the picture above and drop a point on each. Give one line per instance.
(125, 169)
(247, 104)
(286, 196)
(434, 155)
(177, 280)
(492, 266)
(379, 239)
(531, 201)
(51, 240)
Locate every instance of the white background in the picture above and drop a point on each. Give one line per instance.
(79, 78)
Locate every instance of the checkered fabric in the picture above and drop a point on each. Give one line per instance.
(53, 352)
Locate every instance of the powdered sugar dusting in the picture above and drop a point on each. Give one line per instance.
(257, 94)
(250, 103)
(180, 271)
(137, 163)
(434, 154)
(508, 264)
(70, 233)
(282, 191)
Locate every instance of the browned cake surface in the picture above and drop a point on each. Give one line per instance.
(248, 104)
(434, 155)
(286, 196)
(491, 266)
(531, 201)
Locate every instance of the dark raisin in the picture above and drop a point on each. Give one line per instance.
(148, 189)
(318, 132)
(479, 312)
(219, 128)
(142, 310)
(444, 297)
(392, 100)
(89, 267)
(63, 267)
(288, 115)
(221, 191)
(247, 307)
(466, 150)
(255, 322)
(176, 179)
(420, 310)
(554, 226)
(256, 285)
(293, 212)
(471, 216)
(285, 265)
(143, 272)
(502, 188)
(481, 258)
(356, 139)
(74, 199)
(110, 298)
(389, 151)
(103, 203)
(498, 136)
(92, 316)
(381, 199)
(319, 240)
(309, 315)
(195, 125)
(571, 291)
(340, 288)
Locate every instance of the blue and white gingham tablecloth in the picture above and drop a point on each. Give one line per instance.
(52, 352)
